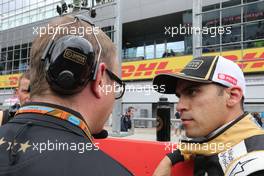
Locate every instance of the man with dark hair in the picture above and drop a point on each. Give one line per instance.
(224, 140)
(126, 122)
(22, 93)
(72, 91)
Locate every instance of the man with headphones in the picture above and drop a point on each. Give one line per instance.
(73, 86)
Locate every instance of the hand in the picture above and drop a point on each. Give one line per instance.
(164, 167)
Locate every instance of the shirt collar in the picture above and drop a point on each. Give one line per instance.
(77, 114)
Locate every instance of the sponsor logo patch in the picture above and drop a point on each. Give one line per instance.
(194, 65)
(227, 157)
(75, 56)
(227, 78)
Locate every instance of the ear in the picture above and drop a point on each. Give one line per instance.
(235, 94)
(97, 85)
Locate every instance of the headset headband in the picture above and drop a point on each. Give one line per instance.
(70, 80)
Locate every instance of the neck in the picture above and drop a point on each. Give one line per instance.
(74, 103)
(229, 119)
(53, 100)
(233, 114)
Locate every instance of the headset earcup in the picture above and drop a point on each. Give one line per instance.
(66, 80)
(69, 64)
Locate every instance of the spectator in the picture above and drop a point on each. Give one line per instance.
(172, 53)
(179, 131)
(126, 122)
(22, 93)
(165, 54)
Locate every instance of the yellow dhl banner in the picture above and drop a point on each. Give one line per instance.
(9, 80)
(250, 60)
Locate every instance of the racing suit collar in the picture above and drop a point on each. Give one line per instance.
(217, 131)
(241, 128)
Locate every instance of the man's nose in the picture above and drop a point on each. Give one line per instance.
(182, 105)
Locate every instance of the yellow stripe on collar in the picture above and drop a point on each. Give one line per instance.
(243, 129)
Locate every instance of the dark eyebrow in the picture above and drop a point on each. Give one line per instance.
(185, 89)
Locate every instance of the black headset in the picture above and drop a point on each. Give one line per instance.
(70, 61)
